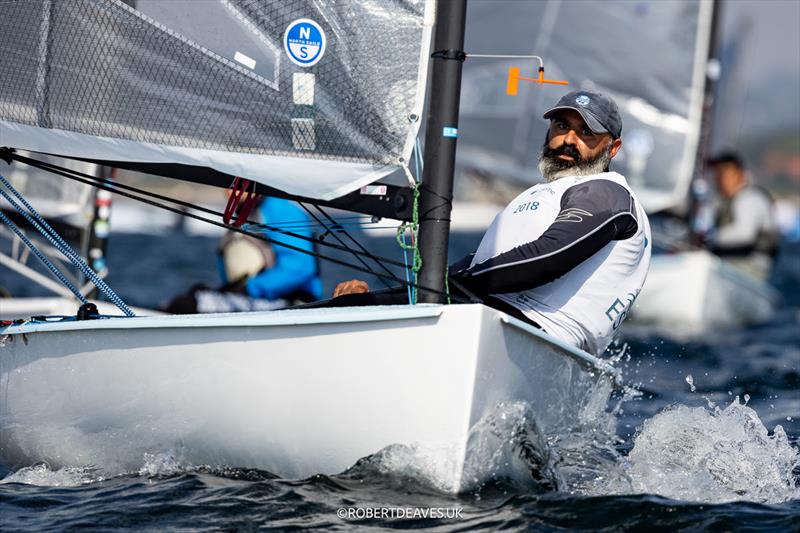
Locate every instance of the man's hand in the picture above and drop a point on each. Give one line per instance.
(354, 286)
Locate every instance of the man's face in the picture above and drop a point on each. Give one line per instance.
(729, 179)
(574, 149)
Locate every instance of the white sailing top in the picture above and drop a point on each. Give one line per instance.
(752, 226)
(571, 255)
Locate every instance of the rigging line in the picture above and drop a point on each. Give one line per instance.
(21, 255)
(41, 225)
(95, 181)
(73, 174)
(308, 224)
(335, 236)
(357, 243)
(317, 227)
(405, 258)
(301, 222)
(50, 266)
(107, 186)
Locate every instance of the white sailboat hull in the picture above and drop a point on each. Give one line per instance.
(293, 392)
(696, 292)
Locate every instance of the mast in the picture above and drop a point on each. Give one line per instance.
(713, 67)
(436, 190)
(700, 185)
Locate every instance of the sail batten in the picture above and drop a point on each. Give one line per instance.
(213, 84)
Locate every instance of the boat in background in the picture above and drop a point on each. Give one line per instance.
(81, 215)
(695, 292)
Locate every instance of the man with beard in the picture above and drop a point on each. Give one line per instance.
(569, 255)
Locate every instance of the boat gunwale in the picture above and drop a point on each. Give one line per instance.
(284, 317)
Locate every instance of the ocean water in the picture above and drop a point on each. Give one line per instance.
(704, 437)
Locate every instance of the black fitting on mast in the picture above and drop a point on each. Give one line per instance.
(6, 154)
(457, 55)
(440, 147)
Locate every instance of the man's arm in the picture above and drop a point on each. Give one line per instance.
(592, 215)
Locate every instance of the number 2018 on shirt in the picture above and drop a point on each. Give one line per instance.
(527, 206)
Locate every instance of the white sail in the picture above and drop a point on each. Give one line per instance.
(225, 88)
(649, 56)
(54, 196)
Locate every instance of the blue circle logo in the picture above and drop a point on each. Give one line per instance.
(304, 42)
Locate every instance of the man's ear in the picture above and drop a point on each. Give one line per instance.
(616, 144)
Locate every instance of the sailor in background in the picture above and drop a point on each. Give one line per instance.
(256, 276)
(745, 230)
(569, 255)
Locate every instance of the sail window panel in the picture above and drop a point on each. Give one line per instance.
(212, 77)
(222, 29)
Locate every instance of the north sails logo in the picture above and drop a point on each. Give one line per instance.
(573, 214)
(582, 100)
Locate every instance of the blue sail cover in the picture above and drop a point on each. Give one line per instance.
(312, 98)
(649, 55)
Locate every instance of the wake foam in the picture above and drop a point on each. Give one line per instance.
(507, 445)
(713, 455)
(42, 475)
(697, 454)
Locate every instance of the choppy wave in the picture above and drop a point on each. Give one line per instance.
(699, 454)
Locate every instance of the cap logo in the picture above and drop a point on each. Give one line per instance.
(582, 100)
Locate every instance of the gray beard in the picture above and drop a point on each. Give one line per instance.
(551, 171)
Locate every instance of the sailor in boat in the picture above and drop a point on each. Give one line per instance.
(256, 276)
(569, 255)
(745, 230)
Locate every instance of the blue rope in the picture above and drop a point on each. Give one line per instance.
(56, 272)
(61, 245)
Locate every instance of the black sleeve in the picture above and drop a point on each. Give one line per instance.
(592, 215)
(461, 265)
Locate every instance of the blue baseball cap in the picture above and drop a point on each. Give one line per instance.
(599, 111)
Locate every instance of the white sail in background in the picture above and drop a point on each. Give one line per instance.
(140, 81)
(54, 196)
(649, 56)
